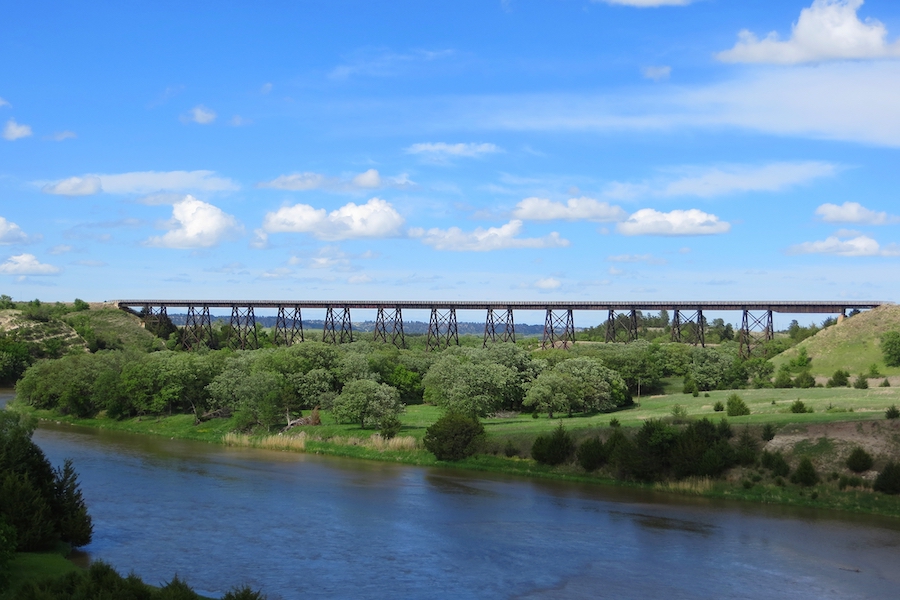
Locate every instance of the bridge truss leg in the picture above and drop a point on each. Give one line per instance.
(756, 330)
(502, 320)
(626, 325)
(559, 329)
(442, 329)
(691, 329)
(197, 328)
(288, 329)
(393, 335)
(243, 328)
(330, 333)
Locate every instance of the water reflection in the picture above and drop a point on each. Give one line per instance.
(306, 525)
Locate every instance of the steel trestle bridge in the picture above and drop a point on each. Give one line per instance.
(622, 319)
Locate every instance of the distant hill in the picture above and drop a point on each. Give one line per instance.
(853, 344)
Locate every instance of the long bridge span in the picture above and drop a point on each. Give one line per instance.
(622, 318)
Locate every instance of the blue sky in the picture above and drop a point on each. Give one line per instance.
(528, 150)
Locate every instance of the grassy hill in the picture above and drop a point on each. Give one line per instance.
(853, 345)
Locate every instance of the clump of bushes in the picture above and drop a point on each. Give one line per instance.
(591, 454)
(855, 482)
(799, 407)
(718, 406)
(454, 436)
(774, 461)
(805, 474)
(861, 382)
(768, 432)
(553, 449)
(888, 481)
(859, 460)
(892, 412)
(736, 407)
(840, 378)
(804, 380)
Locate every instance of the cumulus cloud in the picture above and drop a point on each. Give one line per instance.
(200, 114)
(374, 219)
(827, 30)
(575, 209)
(14, 131)
(548, 283)
(368, 180)
(141, 182)
(657, 73)
(854, 212)
(441, 151)
(842, 245)
(10, 233)
(648, 221)
(26, 264)
(483, 240)
(197, 224)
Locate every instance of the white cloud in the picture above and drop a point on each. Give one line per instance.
(266, 88)
(827, 30)
(14, 131)
(548, 283)
(374, 219)
(60, 136)
(60, 249)
(483, 240)
(200, 114)
(4, 103)
(575, 209)
(646, 3)
(861, 245)
(368, 180)
(378, 63)
(239, 121)
(359, 279)
(854, 212)
(197, 224)
(10, 233)
(742, 178)
(635, 258)
(74, 186)
(26, 264)
(657, 73)
(441, 151)
(648, 221)
(141, 182)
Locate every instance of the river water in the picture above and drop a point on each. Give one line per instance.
(298, 525)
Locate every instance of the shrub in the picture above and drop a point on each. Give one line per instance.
(718, 406)
(591, 454)
(885, 383)
(736, 406)
(805, 474)
(614, 422)
(890, 347)
(888, 481)
(747, 448)
(804, 380)
(840, 378)
(783, 378)
(553, 449)
(798, 407)
(859, 460)
(679, 413)
(845, 482)
(861, 382)
(774, 461)
(510, 449)
(390, 426)
(768, 432)
(892, 412)
(873, 371)
(454, 436)
(690, 386)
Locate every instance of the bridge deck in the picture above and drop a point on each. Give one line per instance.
(779, 306)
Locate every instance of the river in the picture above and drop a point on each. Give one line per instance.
(297, 525)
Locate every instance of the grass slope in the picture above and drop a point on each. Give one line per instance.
(111, 323)
(854, 344)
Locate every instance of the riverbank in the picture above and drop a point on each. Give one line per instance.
(841, 420)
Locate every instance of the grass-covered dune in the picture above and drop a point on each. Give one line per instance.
(854, 344)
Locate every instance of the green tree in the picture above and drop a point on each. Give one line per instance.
(554, 449)
(805, 474)
(735, 406)
(457, 383)
(367, 402)
(7, 551)
(454, 436)
(74, 523)
(890, 347)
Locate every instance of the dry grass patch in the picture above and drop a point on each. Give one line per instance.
(695, 486)
(296, 443)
